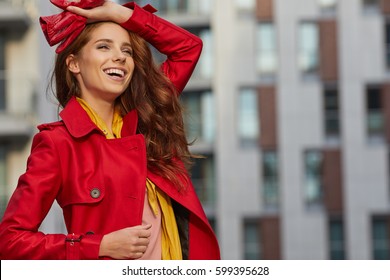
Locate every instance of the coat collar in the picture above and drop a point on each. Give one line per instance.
(79, 123)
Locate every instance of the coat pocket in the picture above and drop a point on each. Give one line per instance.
(86, 195)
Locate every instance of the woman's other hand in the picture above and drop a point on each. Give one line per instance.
(109, 11)
(127, 243)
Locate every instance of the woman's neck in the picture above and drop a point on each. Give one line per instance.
(104, 109)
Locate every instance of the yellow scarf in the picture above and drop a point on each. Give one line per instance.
(170, 241)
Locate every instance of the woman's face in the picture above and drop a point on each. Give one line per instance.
(104, 66)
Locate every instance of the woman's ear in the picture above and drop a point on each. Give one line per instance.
(72, 64)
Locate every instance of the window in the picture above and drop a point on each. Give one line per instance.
(171, 6)
(266, 49)
(308, 56)
(199, 116)
(328, 6)
(195, 7)
(252, 243)
(203, 178)
(336, 239)
(2, 72)
(3, 197)
(388, 172)
(371, 6)
(331, 112)
(248, 117)
(375, 117)
(205, 67)
(380, 238)
(247, 5)
(270, 179)
(327, 3)
(313, 189)
(213, 224)
(387, 46)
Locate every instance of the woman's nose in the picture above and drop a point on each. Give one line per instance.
(119, 56)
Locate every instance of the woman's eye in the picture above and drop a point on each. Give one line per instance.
(128, 52)
(102, 47)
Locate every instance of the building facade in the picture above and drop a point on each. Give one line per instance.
(289, 104)
(327, 70)
(18, 81)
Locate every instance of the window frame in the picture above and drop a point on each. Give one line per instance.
(371, 8)
(336, 246)
(251, 139)
(204, 119)
(271, 50)
(312, 69)
(254, 245)
(331, 114)
(374, 134)
(313, 195)
(3, 178)
(385, 241)
(2, 73)
(387, 43)
(205, 185)
(273, 177)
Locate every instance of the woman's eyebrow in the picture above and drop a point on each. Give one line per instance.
(104, 40)
(127, 44)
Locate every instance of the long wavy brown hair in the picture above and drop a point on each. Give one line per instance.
(153, 96)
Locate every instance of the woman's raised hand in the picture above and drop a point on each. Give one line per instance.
(127, 243)
(109, 11)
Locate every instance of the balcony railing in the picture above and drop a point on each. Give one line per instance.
(174, 7)
(375, 122)
(14, 16)
(3, 198)
(17, 106)
(3, 204)
(28, 5)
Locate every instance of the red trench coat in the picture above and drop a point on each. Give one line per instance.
(100, 183)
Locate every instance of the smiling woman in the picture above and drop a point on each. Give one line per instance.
(117, 161)
(102, 68)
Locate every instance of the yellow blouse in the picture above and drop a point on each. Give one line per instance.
(170, 241)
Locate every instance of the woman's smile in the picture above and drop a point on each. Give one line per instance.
(105, 65)
(115, 73)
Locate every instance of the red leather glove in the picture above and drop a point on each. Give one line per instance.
(147, 7)
(66, 26)
(85, 4)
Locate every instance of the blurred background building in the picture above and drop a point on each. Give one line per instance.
(290, 104)
(19, 73)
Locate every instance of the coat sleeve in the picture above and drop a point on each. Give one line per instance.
(181, 47)
(32, 199)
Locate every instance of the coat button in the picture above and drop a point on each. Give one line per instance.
(95, 193)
